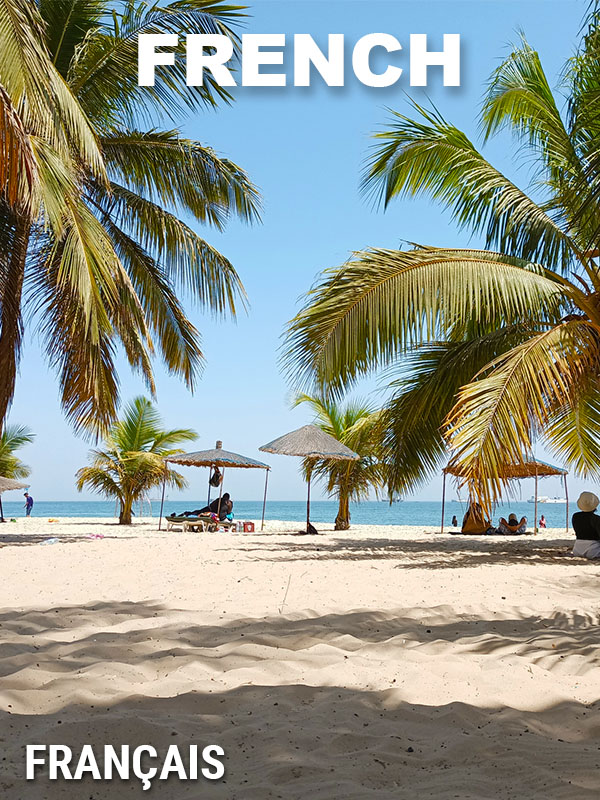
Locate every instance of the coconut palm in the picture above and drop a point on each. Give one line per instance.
(354, 424)
(12, 438)
(494, 346)
(131, 460)
(98, 255)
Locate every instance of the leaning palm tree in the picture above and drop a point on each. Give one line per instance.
(355, 425)
(99, 254)
(14, 437)
(132, 459)
(494, 347)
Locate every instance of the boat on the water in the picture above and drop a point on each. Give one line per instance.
(545, 499)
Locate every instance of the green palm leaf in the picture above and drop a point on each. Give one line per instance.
(104, 71)
(386, 302)
(497, 416)
(432, 157)
(13, 438)
(132, 459)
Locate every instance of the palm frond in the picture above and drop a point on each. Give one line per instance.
(520, 96)
(190, 263)
(499, 414)
(430, 156)
(13, 438)
(411, 424)
(105, 63)
(166, 168)
(176, 338)
(385, 302)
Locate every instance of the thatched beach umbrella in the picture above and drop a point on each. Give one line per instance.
(217, 457)
(7, 485)
(312, 444)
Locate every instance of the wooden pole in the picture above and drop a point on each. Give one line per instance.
(443, 500)
(535, 521)
(262, 522)
(162, 499)
(220, 492)
(1, 511)
(567, 499)
(310, 466)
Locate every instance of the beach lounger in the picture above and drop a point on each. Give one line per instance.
(174, 521)
(197, 524)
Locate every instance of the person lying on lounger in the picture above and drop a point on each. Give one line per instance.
(222, 507)
(586, 524)
(512, 526)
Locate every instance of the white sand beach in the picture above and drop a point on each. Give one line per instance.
(386, 662)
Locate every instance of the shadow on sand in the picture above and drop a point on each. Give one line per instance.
(285, 738)
(435, 553)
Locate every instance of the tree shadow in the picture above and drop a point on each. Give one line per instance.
(119, 673)
(434, 553)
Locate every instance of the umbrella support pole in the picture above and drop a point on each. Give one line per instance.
(1, 511)
(535, 508)
(220, 493)
(443, 501)
(262, 522)
(567, 499)
(162, 499)
(308, 499)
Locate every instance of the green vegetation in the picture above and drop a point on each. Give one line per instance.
(12, 438)
(355, 425)
(497, 346)
(131, 461)
(94, 172)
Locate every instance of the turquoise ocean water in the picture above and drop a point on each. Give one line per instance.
(409, 512)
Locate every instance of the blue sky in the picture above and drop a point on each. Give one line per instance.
(305, 148)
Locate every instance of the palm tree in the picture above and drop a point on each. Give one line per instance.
(498, 346)
(132, 458)
(12, 438)
(97, 254)
(354, 424)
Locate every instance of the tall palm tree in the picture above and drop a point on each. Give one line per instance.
(132, 458)
(355, 425)
(12, 438)
(497, 346)
(97, 255)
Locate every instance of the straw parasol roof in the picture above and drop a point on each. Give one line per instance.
(529, 469)
(216, 458)
(6, 484)
(310, 442)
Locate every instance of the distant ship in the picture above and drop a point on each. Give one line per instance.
(544, 499)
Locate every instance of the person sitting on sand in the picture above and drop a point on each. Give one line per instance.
(512, 526)
(586, 524)
(474, 521)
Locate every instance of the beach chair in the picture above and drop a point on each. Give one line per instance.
(174, 521)
(197, 524)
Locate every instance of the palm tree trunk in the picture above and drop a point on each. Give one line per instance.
(342, 521)
(11, 324)
(126, 509)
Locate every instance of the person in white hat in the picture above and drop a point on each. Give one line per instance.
(586, 525)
